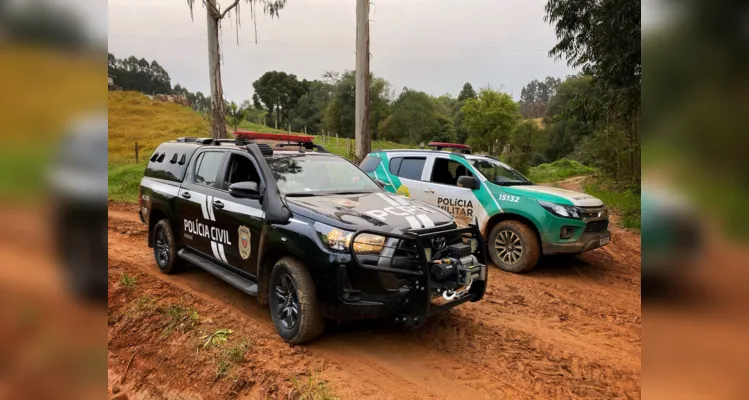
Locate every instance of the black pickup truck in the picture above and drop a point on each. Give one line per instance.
(305, 231)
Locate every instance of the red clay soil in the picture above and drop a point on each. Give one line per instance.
(568, 329)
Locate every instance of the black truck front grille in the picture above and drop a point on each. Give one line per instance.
(409, 253)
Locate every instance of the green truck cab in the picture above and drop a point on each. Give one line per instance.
(520, 221)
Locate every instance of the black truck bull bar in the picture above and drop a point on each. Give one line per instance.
(406, 255)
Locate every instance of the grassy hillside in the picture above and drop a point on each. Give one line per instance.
(44, 91)
(133, 117)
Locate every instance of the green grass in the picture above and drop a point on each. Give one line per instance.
(180, 318)
(558, 170)
(23, 169)
(312, 388)
(124, 181)
(345, 147)
(133, 117)
(236, 352)
(624, 201)
(127, 281)
(251, 126)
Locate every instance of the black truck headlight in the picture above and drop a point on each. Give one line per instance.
(369, 244)
(561, 210)
(339, 240)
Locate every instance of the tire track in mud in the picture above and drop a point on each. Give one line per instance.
(567, 329)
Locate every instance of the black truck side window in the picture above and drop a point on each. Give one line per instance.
(207, 170)
(240, 169)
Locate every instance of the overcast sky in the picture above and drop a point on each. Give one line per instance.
(429, 45)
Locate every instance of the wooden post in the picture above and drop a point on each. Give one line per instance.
(136, 152)
(336, 139)
(218, 126)
(361, 133)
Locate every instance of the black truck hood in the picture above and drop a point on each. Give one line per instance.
(379, 211)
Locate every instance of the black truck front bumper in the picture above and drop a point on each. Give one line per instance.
(405, 289)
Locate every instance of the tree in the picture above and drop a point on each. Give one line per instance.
(412, 119)
(339, 114)
(254, 114)
(279, 93)
(467, 92)
(445, 104)
(569, 118)
(535, 96)
(490, 119)
(444, 129)
(310, 109)
(527, 145)
(139, 75)
(235, 115)
(214, 17)
(603, 38)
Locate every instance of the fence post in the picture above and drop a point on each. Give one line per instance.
(336, 139)
(136, 152)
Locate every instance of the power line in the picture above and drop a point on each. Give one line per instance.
(434, 46)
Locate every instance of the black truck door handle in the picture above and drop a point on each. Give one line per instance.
(218, 204)
(186, 195)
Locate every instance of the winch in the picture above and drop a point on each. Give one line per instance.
(452, 268)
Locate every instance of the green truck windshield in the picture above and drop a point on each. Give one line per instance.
(497, 173)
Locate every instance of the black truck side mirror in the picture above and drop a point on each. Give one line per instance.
(469, 182)
(247, 189)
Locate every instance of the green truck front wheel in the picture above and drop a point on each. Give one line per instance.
(514, 246)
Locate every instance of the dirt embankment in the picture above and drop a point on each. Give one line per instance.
(568, 329)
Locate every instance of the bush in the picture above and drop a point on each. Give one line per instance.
(625, 201)
(124, 182)
(559, 170)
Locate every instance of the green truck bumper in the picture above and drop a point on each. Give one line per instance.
(586, 242)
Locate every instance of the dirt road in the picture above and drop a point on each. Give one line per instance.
(568, 329)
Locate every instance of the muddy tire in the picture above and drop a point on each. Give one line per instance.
(514, 246)
(293, 302)
(165, 248)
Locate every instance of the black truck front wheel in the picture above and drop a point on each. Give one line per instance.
(293, 302)
(164, 248)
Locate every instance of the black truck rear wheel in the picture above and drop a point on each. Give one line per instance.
(165, 249)
(293, 302)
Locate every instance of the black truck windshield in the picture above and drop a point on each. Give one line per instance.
(310, 174)
(499, 173)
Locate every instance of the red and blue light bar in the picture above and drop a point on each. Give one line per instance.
(281, 137)
(457, 146)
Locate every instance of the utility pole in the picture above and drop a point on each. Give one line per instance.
(362, 132)
(218, 127)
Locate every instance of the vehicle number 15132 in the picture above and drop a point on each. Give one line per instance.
(513, 199)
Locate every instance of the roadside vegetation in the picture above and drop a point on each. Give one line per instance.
(624, 201)
(587, 123)
(185, 328)
(312, 388)
(133, 117)
(558, 170)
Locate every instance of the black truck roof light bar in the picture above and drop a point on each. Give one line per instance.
(304, 142)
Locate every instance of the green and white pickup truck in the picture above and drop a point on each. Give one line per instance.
(520, 220)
